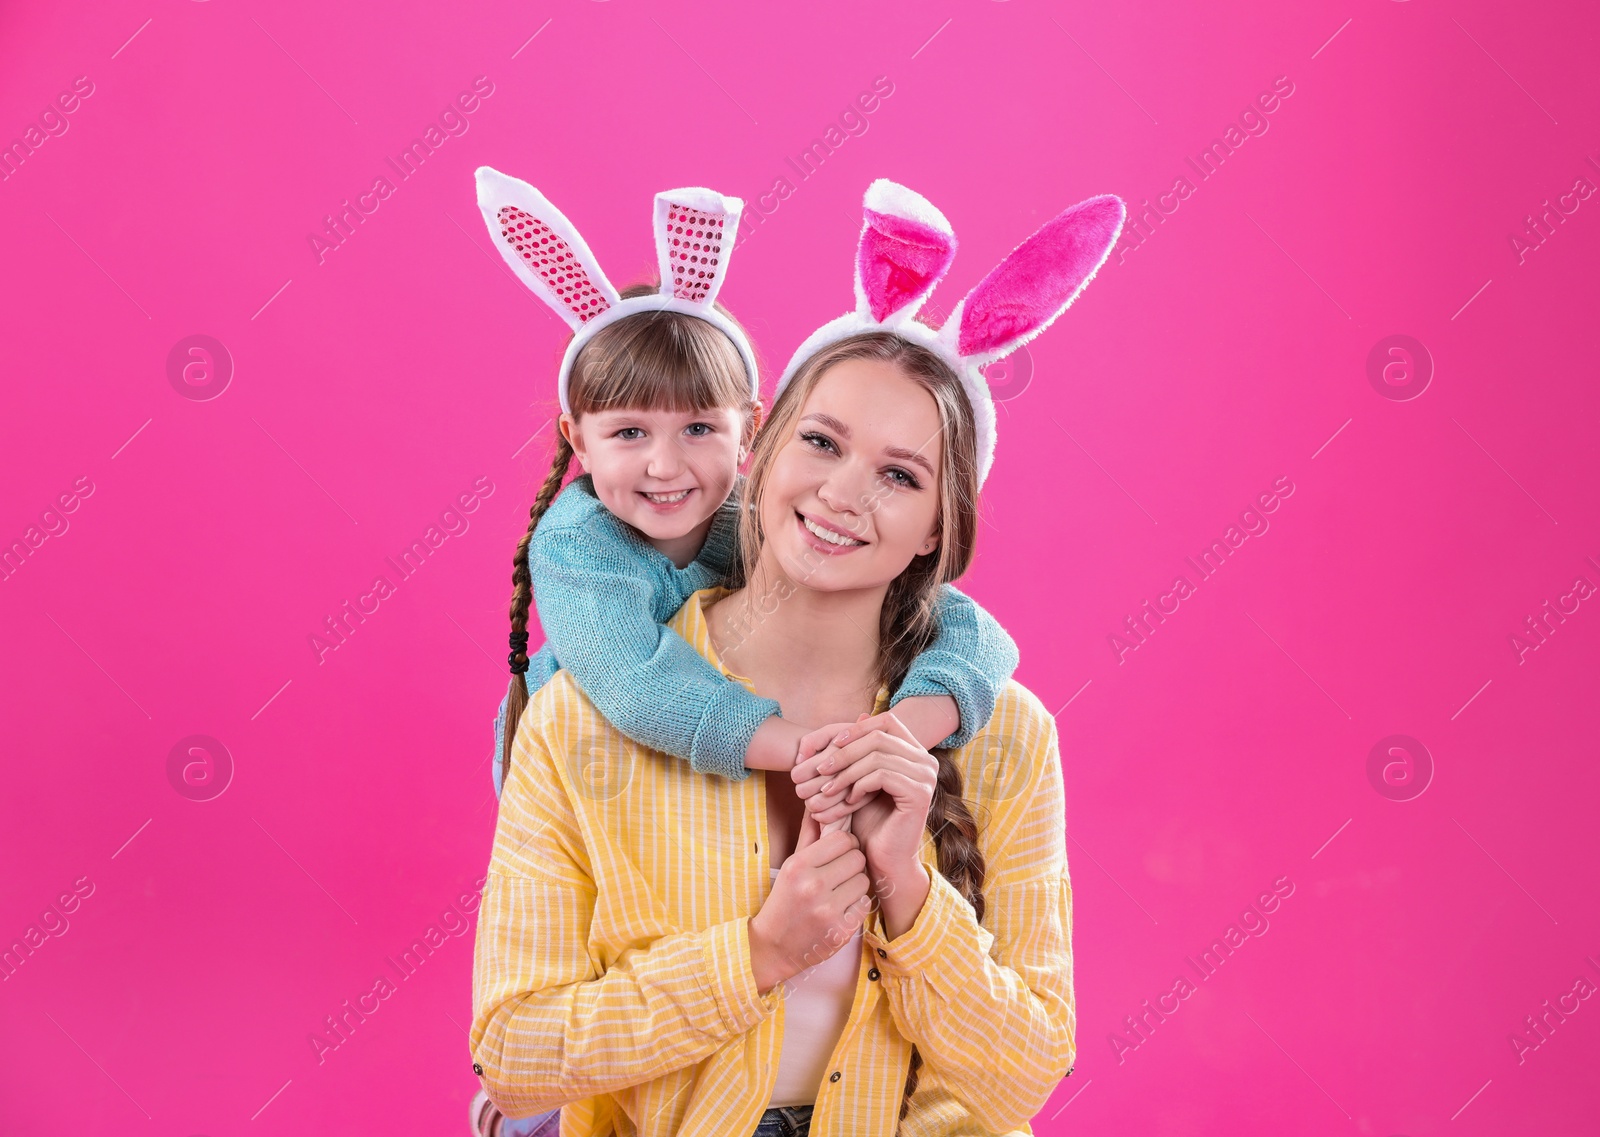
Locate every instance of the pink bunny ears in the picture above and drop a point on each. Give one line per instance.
(905, 249)
(694, 232)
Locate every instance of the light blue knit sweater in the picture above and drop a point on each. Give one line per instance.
(604, 594)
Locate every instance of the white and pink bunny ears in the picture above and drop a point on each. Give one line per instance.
(694, 231)
(905, 249)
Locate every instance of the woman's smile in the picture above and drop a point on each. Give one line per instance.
(827, 538)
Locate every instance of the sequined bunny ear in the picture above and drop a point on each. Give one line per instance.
(543, 248)
(694, 231)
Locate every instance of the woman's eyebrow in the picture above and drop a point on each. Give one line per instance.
(830, 422)
(910, 456)
(893, 451)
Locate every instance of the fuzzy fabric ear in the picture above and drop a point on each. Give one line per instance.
(695, 232)
(543, 249)
(1039, 279)
(906, 247)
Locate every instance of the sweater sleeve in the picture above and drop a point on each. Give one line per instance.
(597, 607)
(971, 660)
(553, 1025)
(989, 1004)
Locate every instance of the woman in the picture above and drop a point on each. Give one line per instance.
(646, 931)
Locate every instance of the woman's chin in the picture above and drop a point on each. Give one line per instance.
(816, 572)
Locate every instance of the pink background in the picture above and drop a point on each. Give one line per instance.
(1230, 349)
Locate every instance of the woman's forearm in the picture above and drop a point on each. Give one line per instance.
(998, 1026)
(900, 891)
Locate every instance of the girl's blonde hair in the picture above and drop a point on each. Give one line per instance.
(651, 360)
(909, 621)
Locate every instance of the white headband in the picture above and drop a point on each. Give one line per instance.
(694, 230)
(905, 249)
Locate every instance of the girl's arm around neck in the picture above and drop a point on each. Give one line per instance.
(601, 600)
(970, 661)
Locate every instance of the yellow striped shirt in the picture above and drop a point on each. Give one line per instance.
(612, 974)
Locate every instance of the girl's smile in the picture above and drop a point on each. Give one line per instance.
(665, 503)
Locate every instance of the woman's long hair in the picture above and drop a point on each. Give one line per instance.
(651, 360)
(909, 622)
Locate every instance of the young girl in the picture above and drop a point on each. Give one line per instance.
(659, 399)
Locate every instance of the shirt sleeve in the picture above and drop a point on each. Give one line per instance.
(551, 1024)
(597, 608)
(990, 1004)
(971, 660)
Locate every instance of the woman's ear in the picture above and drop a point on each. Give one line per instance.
(568, 425)
(929, 545)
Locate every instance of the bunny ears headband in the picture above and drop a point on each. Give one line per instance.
(905, 249)
(694, 231)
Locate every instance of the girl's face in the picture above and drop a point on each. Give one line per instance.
(663, 472)
(853, 495)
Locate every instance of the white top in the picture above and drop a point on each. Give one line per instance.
(816, 1007)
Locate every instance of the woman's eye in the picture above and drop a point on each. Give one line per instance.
(904, 477)
(820, 441)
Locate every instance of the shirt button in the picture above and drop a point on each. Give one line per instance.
(882, 954)
(873, 974)
(834, 1077)
(477, 1069)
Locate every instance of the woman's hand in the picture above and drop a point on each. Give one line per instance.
(886, 778)
(811, 744)
(818, 901)
(821, 747)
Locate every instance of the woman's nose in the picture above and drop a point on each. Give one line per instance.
(844, 489)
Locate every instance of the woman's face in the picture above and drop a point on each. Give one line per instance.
(853, 495)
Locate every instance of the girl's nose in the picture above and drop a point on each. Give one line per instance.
(666, 459)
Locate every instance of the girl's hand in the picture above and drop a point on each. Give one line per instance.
(773, 745)
(886, 778)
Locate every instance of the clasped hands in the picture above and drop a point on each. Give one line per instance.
(875, 772)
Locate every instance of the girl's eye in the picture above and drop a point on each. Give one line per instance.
(699, 429)
(630, 433)
(820, 441)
